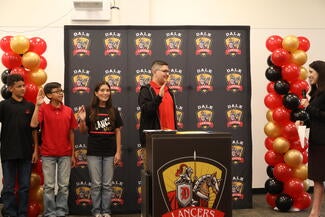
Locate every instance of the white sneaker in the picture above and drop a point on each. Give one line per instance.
(98, 215)
(106, 215)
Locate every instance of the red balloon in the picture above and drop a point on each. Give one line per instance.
(34, 209)
(20, 71)
(293, 187)
(281, 116)
(290, 132)
(280, 57)
(31, 91)
(5, 43)
(298, 86)
(11, 60)
(302, 201)
(270, 199)
(268, 142)
(282, 172)
(37, 45)
(272, 100)
(43, 63)
(304, 43)
(297, 145)
(273, 42)
(270, 87)
(272, 158)
(290, 72)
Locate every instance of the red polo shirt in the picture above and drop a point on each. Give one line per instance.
(56, 124)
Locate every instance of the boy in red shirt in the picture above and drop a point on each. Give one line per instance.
(57, 123)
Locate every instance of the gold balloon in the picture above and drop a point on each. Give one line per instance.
(19, 44)
(293, 158)
(272, 130)
(290, 43)
(299, 57)
(31, 60)
(269, 114)
(37, 77)
(35, 181)
(303, 73)
(301, 172)
(281, 145)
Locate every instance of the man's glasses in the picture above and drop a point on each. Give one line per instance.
(58, 91)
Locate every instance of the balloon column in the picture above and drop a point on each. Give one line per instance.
(24, 56)
(286, 157)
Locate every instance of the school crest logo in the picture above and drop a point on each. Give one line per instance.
(83, 193)
(232, 43)
(179, 116)
(203, 44)
(234, 116)
(204, 79)
(192, 183)
(80, 81)
(118, 193)
(142, 77)
(143, 44)
(140, 155)
(81, 44)
(112, 44)
(173, 43)
(81, 155)
(137, 117)
(204, 116)
(237, 152)
(139, 192)
(234, 80)
(113, 77)
(175, 80)
(237, 188)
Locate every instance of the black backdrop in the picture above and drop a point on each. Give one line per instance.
(210, 76)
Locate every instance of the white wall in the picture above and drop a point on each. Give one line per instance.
(45, 19)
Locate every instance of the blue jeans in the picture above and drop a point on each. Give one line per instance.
(11, 170)
(52, 166)
(101, 171)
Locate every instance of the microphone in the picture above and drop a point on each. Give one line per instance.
(304, 94)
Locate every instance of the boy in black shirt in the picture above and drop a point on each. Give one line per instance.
(19, 147)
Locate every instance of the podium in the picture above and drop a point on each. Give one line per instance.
(189, 174)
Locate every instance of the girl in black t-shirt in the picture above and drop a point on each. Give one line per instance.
(102, 121)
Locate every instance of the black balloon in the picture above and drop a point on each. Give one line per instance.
(284, 202)
(269, 62)
(281, 87)
(299, 115)
(273, 186)
(5, 93)
(273, 73)
(291, 101)
(269, 171)
(4, 75)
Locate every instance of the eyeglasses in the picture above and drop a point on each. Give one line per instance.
(58, 91)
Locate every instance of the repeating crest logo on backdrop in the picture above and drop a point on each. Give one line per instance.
(232, 43)
(80, 81)
(204, 78)
(81, 44)
(234, 80)
(113, 77)
(173, 43)
(204, 116)
(83, 193)
(203, 44)
(234, 116)
(112, 44)
(143, 44)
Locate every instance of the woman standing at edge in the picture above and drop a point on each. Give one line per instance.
(316, 110)
(103, 123)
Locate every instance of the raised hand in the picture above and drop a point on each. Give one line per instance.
(40, 96)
